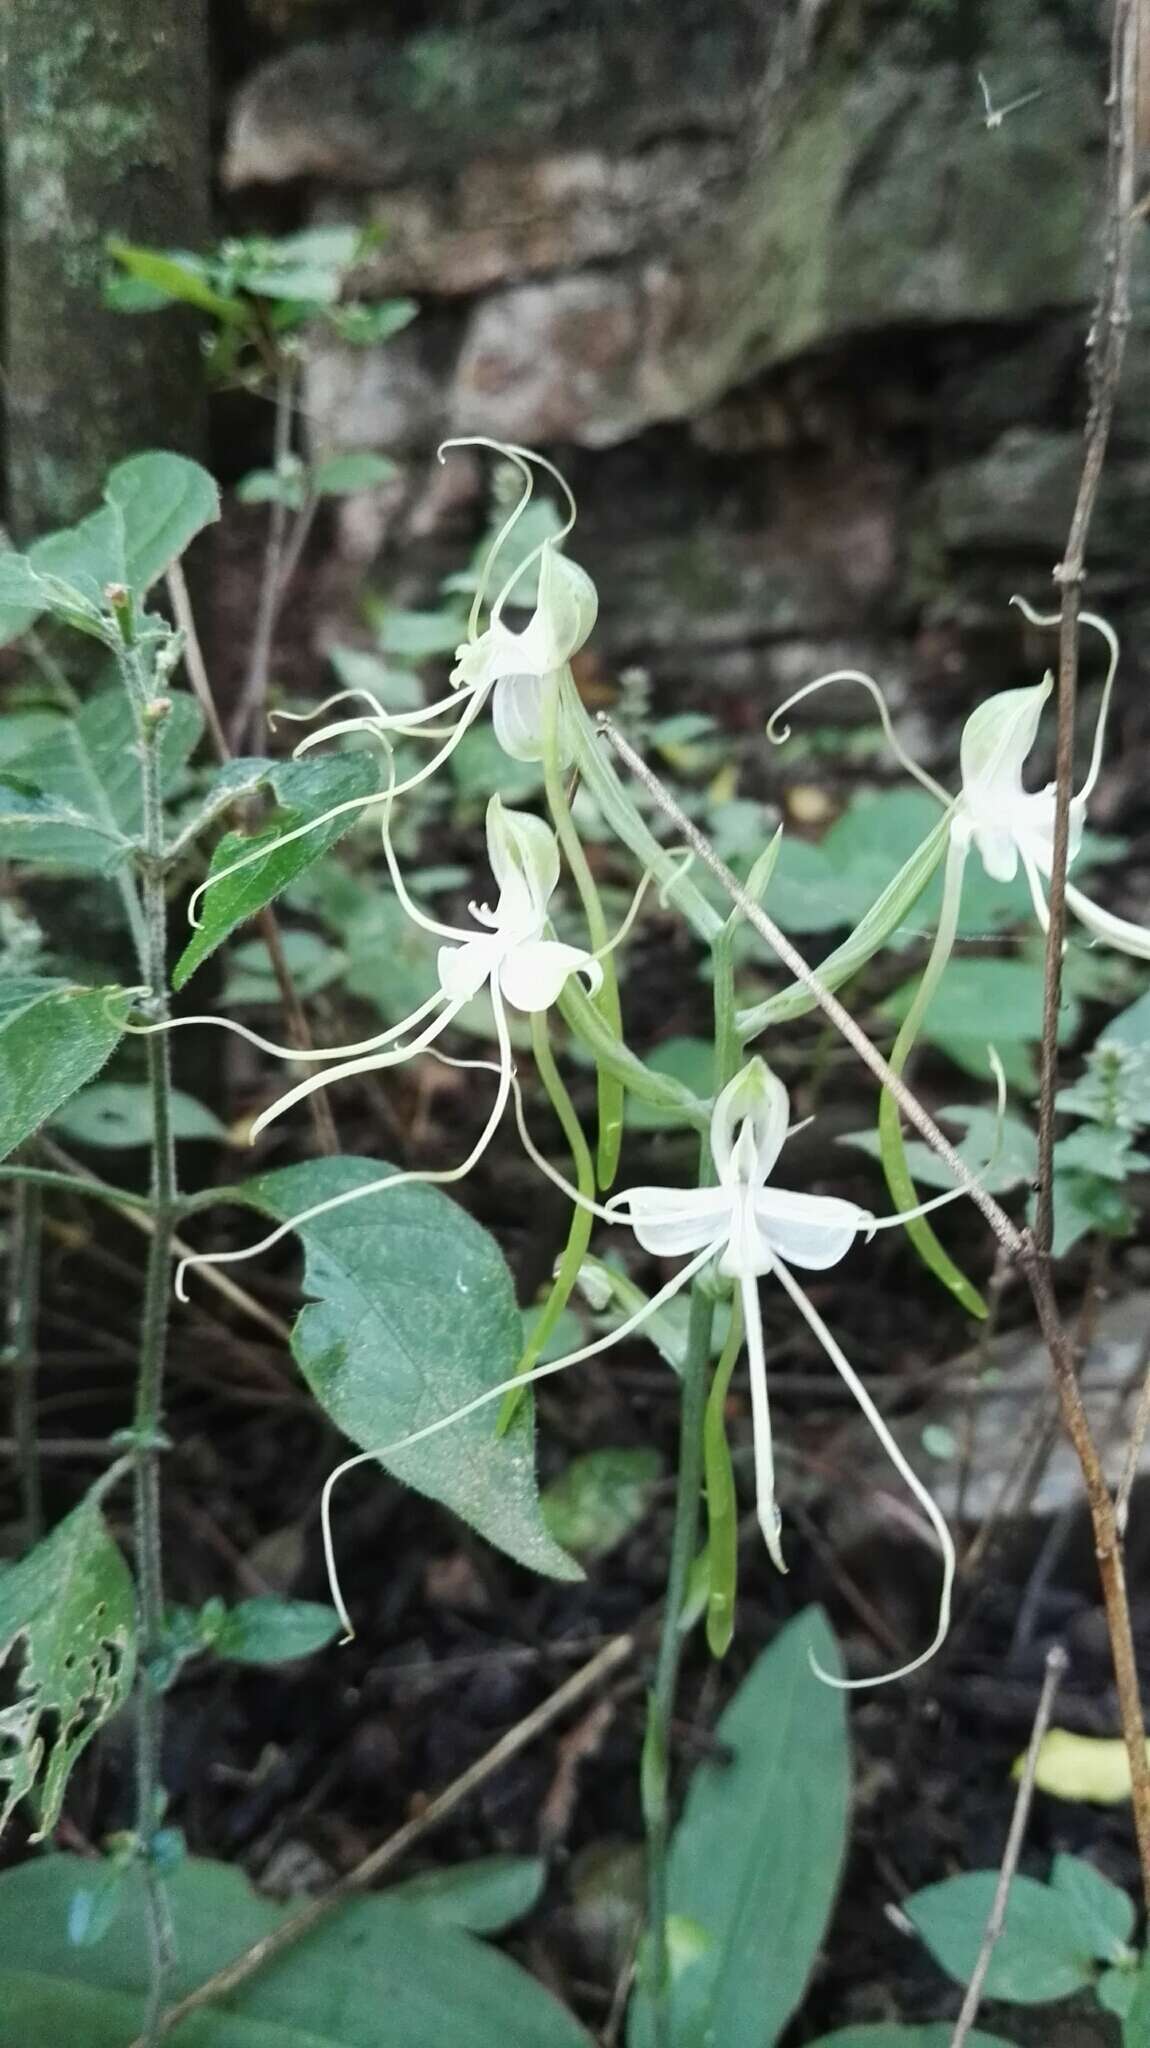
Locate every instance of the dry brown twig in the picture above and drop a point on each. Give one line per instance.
(389, 1853)
(968, 2013)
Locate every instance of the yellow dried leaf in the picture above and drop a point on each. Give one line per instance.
(1085, 1767)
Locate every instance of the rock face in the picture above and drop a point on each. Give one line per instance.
(798, 290)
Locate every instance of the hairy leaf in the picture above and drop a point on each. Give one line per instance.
(67, 1620)
(302, 790)
(413, 1315)
(53, 1037)
(86, 773)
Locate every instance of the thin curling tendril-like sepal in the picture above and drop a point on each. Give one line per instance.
(1103, 626)
(443, 1177)
(906, 1472)
(779, 734)
(496, 1393)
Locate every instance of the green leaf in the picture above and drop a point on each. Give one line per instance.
(879, 924)
(379, 1961)
(1116, 1991)
(367, 326)
(756, 1857)
(689, 1060)
(176, 277)
(250, 976)
(483, 1897)
(88, 766)
(165, 501)
(1136, 2026)
(53, 1037)
(1083, 1203)
(118, 1114)
(1115, 1088)
(396, 689)
(1104, 1913)
(600, 1498)
(302, 790)
(418, 636)
(339, 476)
(1043, 1952)
(68, 1610)
(1132, 1026)
(888, 2034)
(413, 1315)
(271, 1630)
(980, 1002)
(1092, 1149)
(1015, 1162)
(286, 485)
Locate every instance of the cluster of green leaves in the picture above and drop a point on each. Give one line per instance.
(1072, 1935)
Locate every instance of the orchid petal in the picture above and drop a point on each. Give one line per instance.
(463, 970)
(524, 856)
(757, 1097)
(1120, 932)
(671, 1221)
(517, 718)
(533, 973)
(765, 1505)
(813, 1231)
(998, 736)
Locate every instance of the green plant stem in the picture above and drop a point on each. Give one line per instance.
(146, 1434)
(656, 1758)
(77, 1184)
(661, 1090)
(579, 1234)
(892, 1147)
(722, 1504)
(607, 999)
(23, 1298)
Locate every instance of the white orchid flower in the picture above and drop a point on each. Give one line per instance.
(509, 950)
(1007, 824)
(509, 667)
(748, 1230)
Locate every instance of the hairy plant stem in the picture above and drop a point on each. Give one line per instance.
(661, 1706)
(146, 1435)
(23, 1298)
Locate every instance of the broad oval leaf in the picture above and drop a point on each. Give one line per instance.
(164, 501)
(86, 773)
(414, 1314)
(1043, 1952)
(379, 1963)
(484, 1897)
(67, 1612)
(269, 1630)
(53, 1038)
(118, 1114)
(755, 1860)
(303, 790)
(1105, 1914)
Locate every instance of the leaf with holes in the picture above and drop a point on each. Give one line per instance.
(86, 774)
(67, 1620)
(413, 1315)
(118, 1115)
(302, 790)
(53, 1037)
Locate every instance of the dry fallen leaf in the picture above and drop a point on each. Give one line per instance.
(1085, 1767)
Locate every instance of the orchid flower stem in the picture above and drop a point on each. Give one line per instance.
(892, 1145)
(582, 1017)
(722, 1505)
(579, 1233)
(147, 1421)
(661, 1707)
(607, 999)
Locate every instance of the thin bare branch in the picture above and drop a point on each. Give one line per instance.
(1055, 1668)
(1106, 346)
